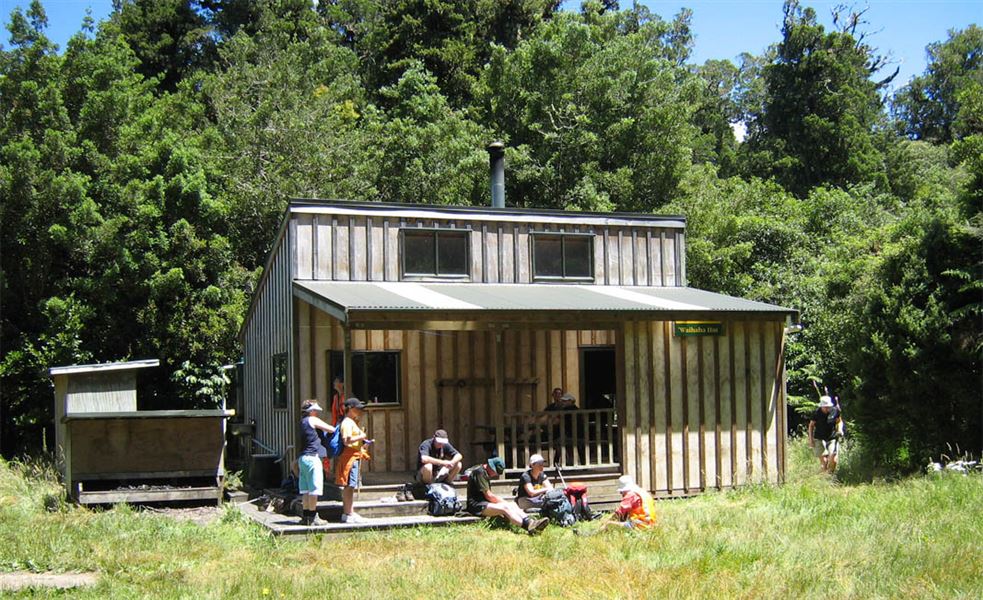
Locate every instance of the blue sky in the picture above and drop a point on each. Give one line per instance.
(723, 28)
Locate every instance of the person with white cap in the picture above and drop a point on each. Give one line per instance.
(637, 508)
(826, 426)
(310, 466)
(533, 484)
(438, 460)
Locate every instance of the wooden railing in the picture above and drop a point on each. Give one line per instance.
(570, 438)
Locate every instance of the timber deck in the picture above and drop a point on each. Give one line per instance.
(377, 503)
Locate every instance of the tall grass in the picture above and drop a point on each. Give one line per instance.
(811, 538)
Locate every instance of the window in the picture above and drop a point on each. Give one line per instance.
(375, 375)
(280, 380)
(563, 256)
(436, 253)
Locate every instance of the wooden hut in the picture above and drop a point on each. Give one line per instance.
(466, 318)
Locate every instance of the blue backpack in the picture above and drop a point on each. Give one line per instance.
(442, 500)
(335, 445)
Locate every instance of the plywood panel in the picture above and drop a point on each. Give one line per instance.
(645, 404)
(305, 252)
(726, 410)
(710, 425)
(304, 351)
(669, 259)
(359, 250)
(694, 440)
(757, 399)
(676, 413)
(322, 235)
(376, 272)
(742, 449)
(341, 246)
(770, 391)
(414, 386)
(629, 455)
(659, 397)
(641, 260)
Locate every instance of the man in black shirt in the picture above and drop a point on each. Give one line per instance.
(482, 502)
(826, 427)
(437, 460)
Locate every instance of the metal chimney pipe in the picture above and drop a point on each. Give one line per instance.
(496, 163)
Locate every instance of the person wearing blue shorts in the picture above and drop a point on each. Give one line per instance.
(311, 468)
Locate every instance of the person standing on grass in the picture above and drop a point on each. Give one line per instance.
(637, 508)
(533, 484)
(310, 464)
(482, 502)
(826, 427)
(438, 461)
(347, 472)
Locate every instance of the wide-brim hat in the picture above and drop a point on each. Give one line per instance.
(825, 402)
(626, 483)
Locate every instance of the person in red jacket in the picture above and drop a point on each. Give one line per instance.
(637, 508)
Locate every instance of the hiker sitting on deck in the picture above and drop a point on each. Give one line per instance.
(637, 508)
(483, 502)
(354, 440)
(311, 469)
(438, 461)
(533, 484)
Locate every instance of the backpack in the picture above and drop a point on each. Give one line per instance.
(577, 496)
(442, 500)
(335, 445)
(558, 508)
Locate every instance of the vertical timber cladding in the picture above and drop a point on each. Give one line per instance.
(703, 412)
(268, 333)
(367, 248)
(446, 379)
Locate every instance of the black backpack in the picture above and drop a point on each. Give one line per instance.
(442, 500)
(558, 508)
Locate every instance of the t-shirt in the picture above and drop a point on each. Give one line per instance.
(349, 428)
(478, 484)
(427, 448)
(527, 477)
(825, 428)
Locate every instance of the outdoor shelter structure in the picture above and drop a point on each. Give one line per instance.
(466, 318)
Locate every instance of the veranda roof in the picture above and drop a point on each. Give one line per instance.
(367, 303)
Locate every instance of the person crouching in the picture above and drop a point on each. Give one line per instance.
(354, 441)
(637, 508)
(483, 502)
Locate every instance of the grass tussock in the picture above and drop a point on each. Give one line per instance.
(811, 538)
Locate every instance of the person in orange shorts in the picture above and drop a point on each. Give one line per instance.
(355, 442)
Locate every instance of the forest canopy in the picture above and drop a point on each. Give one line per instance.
(145, 166)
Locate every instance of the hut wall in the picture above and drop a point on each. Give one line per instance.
(548, 358)
(703, 412)
(268, 333)
(367, 248)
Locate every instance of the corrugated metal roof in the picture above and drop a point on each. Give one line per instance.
(103, 367)
(411, 296)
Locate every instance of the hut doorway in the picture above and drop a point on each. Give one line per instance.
(598, 380)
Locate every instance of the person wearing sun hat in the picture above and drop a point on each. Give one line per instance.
(310, 467)
(826, 426)
(482, 502)
(533, 484)
(637, 508)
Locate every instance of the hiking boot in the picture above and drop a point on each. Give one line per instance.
(536, 525)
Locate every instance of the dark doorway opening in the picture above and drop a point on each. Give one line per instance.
(598, 381)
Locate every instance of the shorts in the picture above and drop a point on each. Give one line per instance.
(526, 503)
(826, 448)
(348, 467)
(476, 508)
(311, 475)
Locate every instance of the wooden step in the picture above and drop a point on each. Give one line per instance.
(286, 525)
(331, 510)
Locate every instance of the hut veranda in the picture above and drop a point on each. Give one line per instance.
(466, 319)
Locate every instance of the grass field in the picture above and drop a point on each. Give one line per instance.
(811, 538)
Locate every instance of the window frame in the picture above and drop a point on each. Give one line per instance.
(279, 396)
(465, 232)
(350, 388)
(563, 236)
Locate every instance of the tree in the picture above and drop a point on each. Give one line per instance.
(821, 110)
(928, 107)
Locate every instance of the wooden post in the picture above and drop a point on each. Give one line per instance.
(347, 358)
(500, 392)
